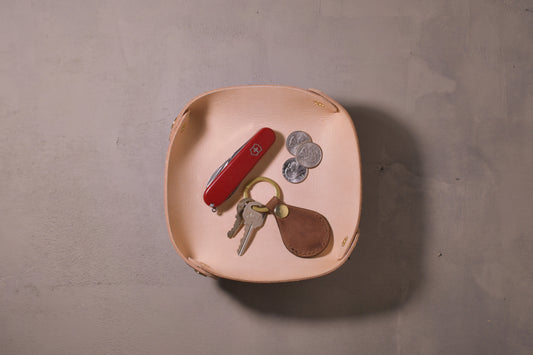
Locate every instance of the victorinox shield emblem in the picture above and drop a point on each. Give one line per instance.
(256, 149)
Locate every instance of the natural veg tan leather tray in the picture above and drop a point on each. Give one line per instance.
(210, 129)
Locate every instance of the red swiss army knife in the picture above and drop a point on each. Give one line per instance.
(230, 174)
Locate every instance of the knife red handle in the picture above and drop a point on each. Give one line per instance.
(227, 181)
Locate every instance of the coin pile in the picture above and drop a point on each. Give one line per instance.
(306, 155)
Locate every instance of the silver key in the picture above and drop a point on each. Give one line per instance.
(238, 217)
(253, 220)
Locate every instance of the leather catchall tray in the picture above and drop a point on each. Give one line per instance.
(210, 129)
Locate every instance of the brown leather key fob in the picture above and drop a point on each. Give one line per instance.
(305, 233)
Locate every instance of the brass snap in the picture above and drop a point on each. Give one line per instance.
(281, 210)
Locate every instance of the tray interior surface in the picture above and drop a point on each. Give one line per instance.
(214, 127)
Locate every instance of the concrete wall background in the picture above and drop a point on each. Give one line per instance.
(441, 93)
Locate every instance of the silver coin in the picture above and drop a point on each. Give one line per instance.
(294, 172)
(308, 155)
(295, 139)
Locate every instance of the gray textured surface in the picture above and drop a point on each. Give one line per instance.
(441, 93)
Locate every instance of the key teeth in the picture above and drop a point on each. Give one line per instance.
(232, 233)
(240, 250)
(244, 241)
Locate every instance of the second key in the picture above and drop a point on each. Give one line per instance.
(253, 220)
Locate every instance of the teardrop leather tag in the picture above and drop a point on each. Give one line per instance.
(305, 233)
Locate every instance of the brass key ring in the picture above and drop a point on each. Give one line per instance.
(255, 181)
